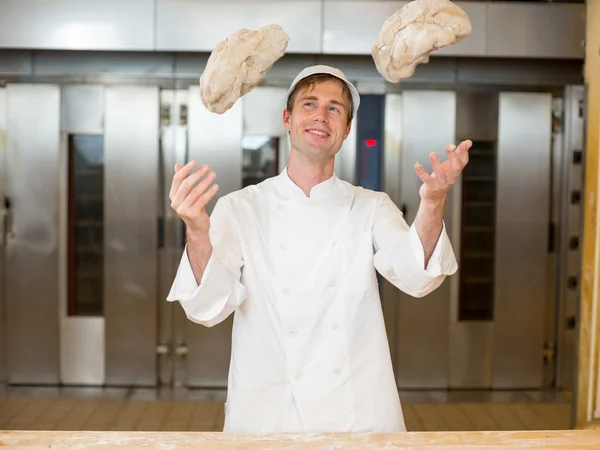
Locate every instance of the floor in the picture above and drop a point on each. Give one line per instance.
(48, 408)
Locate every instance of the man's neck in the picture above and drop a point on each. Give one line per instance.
(307, 174)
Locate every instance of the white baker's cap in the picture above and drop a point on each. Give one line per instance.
(312, 70)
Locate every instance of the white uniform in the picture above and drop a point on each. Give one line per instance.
(310, 351)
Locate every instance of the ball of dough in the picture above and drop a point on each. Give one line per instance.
(238, 64)
(408, 37)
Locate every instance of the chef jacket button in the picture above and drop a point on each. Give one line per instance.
(337, 371)
(286, 291)
(280, 206)
(332, 283)
(283, 247)
(292, 331)
(299, 376)
(334, 326)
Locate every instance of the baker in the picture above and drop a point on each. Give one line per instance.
(295, 258)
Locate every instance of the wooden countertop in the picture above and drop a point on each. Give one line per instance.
(571, 439)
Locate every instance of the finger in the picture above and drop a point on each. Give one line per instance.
(422, 173)
(206, 197)
(435, 162)
(187, 187)
(188, 184)
(466, 144)
(198, 190)
(178, 167)
(454, 160)
(463, 151)
(180, 176)
(439, 169)
(451, 152)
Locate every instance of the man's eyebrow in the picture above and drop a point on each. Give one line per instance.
(333, 102)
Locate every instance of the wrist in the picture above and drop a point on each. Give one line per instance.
(198, 239)
(434, 203)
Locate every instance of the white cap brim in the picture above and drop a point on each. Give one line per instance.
(312, 70)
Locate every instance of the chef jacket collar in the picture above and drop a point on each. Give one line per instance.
(323, 190)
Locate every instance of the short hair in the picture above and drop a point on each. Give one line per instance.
(320, 78)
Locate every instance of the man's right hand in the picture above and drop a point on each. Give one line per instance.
(189, 196)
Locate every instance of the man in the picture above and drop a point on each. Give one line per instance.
(296, 257)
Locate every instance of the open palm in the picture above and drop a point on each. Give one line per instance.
(437, 185)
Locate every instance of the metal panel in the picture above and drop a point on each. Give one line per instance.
(422, 351)
(84, 65)
(175, 225)
(16, 62)
(82, 109)
(345, 160)
(270, 102)
(172, 320)
(477, 42)
(215, 140)
(3, 367)
(76, 25)
(436, 71)
(545, 30)
(569, 249)
(477, 116)
(521, 72)
(33, 141)
(98, 67)
(392, 171)
(470, 363)
(392, 160)
(82, 350)
(524, 133)
(552, 307)
(284, 153)
(207, 145)
(352, 27)
(130, 240)
(470, 355)
(198, 25)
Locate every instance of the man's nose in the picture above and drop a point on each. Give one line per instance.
(321, 114)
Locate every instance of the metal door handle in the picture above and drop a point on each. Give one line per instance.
(181, 350)
(3, 233)
(162, 350)
(7, 222)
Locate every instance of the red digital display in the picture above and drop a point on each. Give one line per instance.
(370, 142)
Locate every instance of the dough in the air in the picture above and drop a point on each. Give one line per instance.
(238, 63)
(409, 36)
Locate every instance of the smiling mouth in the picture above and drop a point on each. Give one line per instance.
(318, 133)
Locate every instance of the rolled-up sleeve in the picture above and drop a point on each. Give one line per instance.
(399, 254)
(220, 291)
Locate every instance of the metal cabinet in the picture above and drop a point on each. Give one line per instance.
(32, 247)
(91, 245)
(485, 326)
(3, 237)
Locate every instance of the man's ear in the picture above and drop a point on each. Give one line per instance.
(286, 119)
(348, 130)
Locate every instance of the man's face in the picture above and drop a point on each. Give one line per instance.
(318, 121)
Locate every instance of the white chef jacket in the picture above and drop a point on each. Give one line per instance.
(309, 346)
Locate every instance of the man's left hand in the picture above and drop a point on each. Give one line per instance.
(436, 186)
